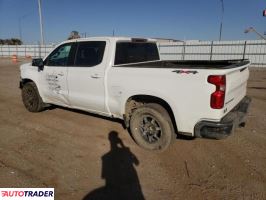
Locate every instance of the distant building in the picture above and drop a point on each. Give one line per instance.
(74, 35)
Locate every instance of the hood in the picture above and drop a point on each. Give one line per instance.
(24, 66)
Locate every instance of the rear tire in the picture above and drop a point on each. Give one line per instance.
(31, 98)
(151, 127)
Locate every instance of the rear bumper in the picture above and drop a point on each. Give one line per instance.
(218, 130)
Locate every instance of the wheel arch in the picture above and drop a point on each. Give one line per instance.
(134, 101)
(24, 81)
(28, 80)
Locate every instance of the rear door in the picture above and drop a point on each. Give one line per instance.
(86, 77)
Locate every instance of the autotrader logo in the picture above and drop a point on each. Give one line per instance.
(26, 193)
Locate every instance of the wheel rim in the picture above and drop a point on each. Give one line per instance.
(150, 129)
(29, 98)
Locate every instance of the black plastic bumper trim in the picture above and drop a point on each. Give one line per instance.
(218, 130)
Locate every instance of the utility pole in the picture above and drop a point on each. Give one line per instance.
(221, 25)
(20, 31)
(264, 15)
(41, 24)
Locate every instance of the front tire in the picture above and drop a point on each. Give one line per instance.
(151, 127)
(31, 98)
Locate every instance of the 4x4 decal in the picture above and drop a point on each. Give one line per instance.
(185, 72)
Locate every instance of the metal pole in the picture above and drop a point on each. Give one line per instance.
(244, 52)
(184, 50)
(211, 50)
(221, 29)
(251, 29)
(41, 24)
(39, 50)
(221, 25)
(258, 33)
(20, 32)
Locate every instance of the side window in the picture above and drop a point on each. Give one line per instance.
(131, 52)
(59, 57)
(90, 53)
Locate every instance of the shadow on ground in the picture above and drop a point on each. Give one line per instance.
(121, 178)
(52, 107)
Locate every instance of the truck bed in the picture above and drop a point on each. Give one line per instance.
(190, 64)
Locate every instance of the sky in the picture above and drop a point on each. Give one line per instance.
(176, 19)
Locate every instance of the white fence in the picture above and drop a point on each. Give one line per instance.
(255, 50)
(25, 50)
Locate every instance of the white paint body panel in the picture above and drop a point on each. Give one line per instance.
(53, 84)
(187, 94)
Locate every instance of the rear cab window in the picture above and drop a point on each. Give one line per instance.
(134, 52)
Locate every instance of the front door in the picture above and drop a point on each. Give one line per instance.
(54, 76)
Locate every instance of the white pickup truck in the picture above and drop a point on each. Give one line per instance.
(124, 78)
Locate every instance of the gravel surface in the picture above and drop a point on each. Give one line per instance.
(85, 156)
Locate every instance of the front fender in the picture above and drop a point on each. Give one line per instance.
(29, 73)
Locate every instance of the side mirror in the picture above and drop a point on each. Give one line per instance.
(38, 62)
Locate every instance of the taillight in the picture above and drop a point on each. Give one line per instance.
(217, 98)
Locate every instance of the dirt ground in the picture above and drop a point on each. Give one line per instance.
(77, 153)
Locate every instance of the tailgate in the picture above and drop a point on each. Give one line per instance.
(236, 86)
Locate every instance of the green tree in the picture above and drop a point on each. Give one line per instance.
(12, 41)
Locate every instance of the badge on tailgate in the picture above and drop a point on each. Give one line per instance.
(185, 72)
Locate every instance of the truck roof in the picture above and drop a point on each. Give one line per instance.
(115, 39)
